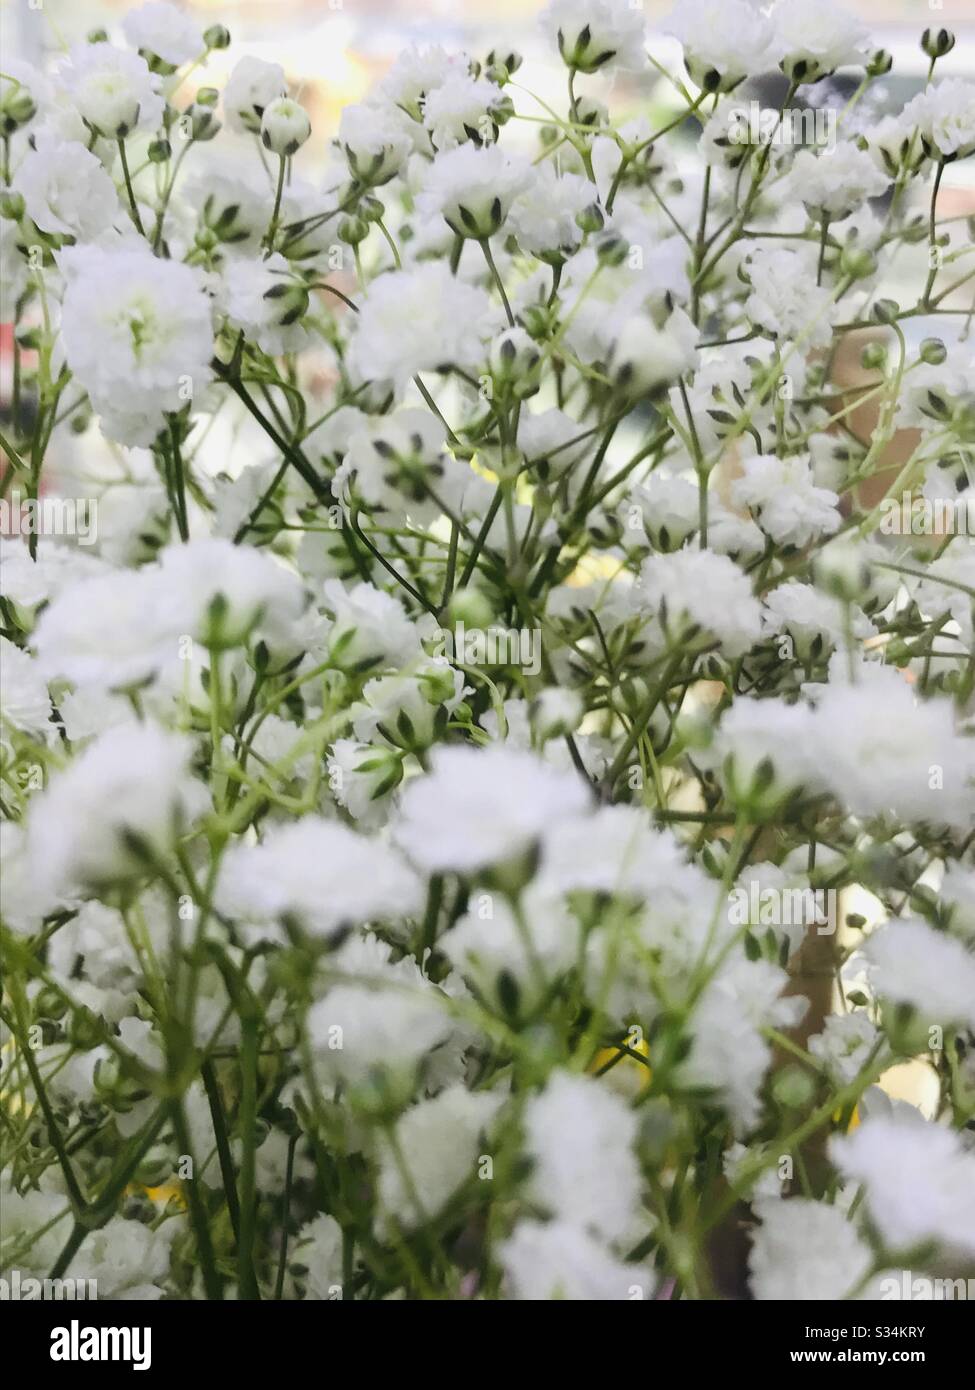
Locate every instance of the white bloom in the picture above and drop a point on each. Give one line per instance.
(375, 142)
(395, 461)
(284, 127)
(473, 189)
(126, 1259)
(321, 873)
(108, 631)
(729, 1051)
(579, 1135)
(911, 963)
(318, 1249)
(479, 808)
(814, 620)
(709, 593)
(845, 1045)
(416, 73)
(785, 301)
(724, 41)
(137, 336)
(835, 184)
(165, 32)
(760, 745)
(559, 1260)
(462, 108)
(129, 789)
(252, 86)
(806, 1250)
(361, 777)
(783, 499)
(66, 191)
(512, 962)
(437, 1146)
(419, 320)
(645, 358)
(369, 628)
(543, 216)
(594, 35)
(113, 90)
(919, 1178)
(958, 891)
(220, 591)
(666, 508)
(813, 41)
(24, 700)
(382, 1022)
(548, 441)
(265, 300)
(944, 113)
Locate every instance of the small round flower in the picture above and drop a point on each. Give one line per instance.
(375, 142)
(112, 89)
(835, 184)
(814, 40)
(724, 41)
(162, 32)
(597, 34)
(556, 712)
(284, 127)
(464, 108)
(473, 189)
(944, 114)
(251, 87)
(66, 190)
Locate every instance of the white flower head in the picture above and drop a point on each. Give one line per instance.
(251, 87)
(113, 90)
(66, 190)
(724, 41)
(596, 35)
(813, 41)
(160, 30)
(473, 189)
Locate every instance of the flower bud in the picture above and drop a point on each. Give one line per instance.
(933, 352)
(284, 127)
(352, 230)
(590, 219)
(159, 151)
(612, 249)
(290, 299)
(513, 360)
(217, 36)
(470, 607)
(886, 310)
(17, 106)
(857, 262)
(874, 357)
(937, 42)
(880, 64)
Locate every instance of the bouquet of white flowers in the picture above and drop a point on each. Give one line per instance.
(488, 706)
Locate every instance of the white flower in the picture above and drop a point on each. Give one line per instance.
(252, 86)
(550, 441)
(473, 189)
(382, 1022)
(785, 301)
(375, 142)
(729, 1051)
(597, 34)
(108, 631)
(579, 1135)
(835, 184)
(318, 1249)
(219, 593)
(958, 891)
(419, 320)
(555, 712)
(113, 90)
(919, 1179)
(944, 113)
(783, 499)
(815, 621)
(883, 752)
(559, 1260)
(66, 191)
(165, 32)
(361, 777)
(396, 464)
(137, 336)
(760, 745)
(265, 300)
(813, 41)
(23, 91)
(665, 508)
(724, 41)
(436, 1152)
(845, 1045)
(24, 700)
(479, 808)
(125, 1259)
(416, 73)
(706, 592)
(322, 874)
(806, 1250)
(911, 963)
(127, 795)
(512, 962)
(284, 127)
(369, 628)
(543, 216)
(645, 358)
(460, 109)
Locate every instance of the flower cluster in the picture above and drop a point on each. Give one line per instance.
(491, 799)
